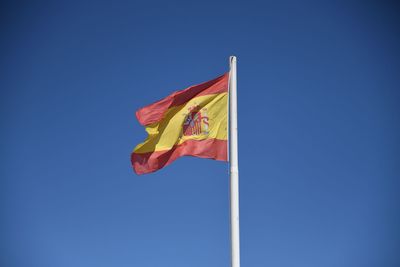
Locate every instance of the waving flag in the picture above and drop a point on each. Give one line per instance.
(190, 122)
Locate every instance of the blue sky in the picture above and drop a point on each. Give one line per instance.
(318, 88)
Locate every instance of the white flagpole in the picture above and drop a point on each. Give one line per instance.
(234, 170)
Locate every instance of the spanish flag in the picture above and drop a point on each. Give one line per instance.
(190, 122)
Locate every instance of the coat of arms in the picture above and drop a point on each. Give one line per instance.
(196, 122)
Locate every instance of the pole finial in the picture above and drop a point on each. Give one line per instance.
(232, 59)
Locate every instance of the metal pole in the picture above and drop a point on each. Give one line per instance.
(234, 170)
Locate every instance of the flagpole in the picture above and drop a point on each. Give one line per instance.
(234, 170)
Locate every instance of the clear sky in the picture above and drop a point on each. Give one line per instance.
(318, 88)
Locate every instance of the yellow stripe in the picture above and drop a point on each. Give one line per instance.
(166, 133)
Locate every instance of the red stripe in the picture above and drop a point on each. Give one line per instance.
(155, 112)
(150, 162)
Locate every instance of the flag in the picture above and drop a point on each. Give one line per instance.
(190, 122)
